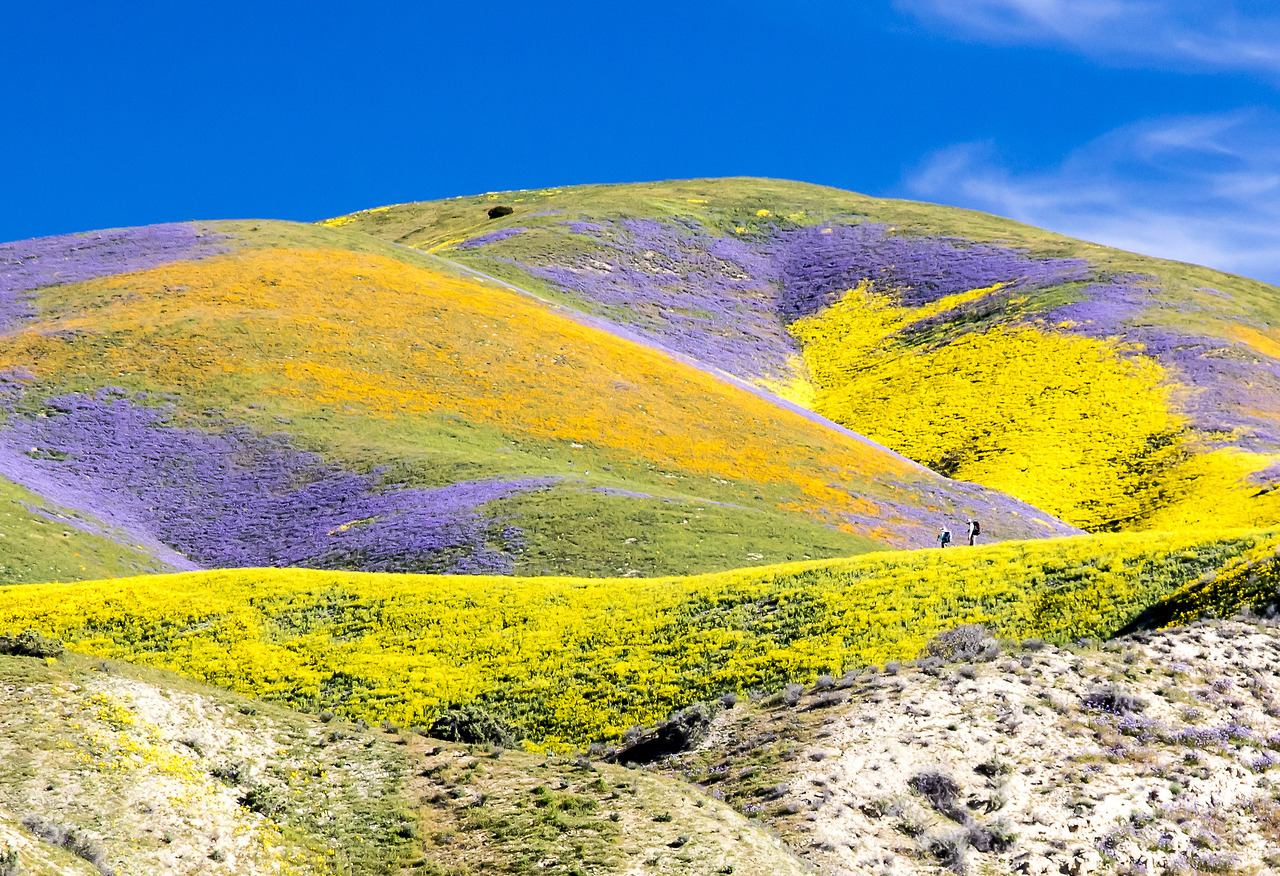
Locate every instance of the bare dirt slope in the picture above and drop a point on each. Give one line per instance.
(108, 768)
(1152, 755)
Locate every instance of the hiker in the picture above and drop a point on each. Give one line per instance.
(975, 530)
(944, 537)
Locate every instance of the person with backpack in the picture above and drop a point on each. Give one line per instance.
(944, 537)
(975, 530)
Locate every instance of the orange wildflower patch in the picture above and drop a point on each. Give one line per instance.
(329, 328)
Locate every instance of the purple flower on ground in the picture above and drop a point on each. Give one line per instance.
(237, 498)
(491, 237)
(816, 265)
(725, 300)
(674, 283)
(1232, 385)
(26, 265)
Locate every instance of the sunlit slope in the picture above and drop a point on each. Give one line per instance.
(40, 541)
(108, 768)
(295, 401)
(572, 660)
(1114, 390)
(136, 771)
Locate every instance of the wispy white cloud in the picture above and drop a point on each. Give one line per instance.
(1202, 189)
(1167, 33)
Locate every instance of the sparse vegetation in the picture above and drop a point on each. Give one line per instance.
(942, 792)
(473, 725)
(1114, 699)
(9, 865)
(78, 842)
(965, 642)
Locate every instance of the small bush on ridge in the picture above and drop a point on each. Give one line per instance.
(78, 842)
(965, 642)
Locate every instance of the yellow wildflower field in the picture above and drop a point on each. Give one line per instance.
(573, 660)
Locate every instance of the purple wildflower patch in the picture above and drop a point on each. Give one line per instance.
(725, 301)
(676, 284)
(815, 265)
(237, 498)
(1230, 383)
(1002, 516)
(491, 237)
(26, 265)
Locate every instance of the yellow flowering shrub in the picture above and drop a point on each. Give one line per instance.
(1253, 578)
(1212, 488)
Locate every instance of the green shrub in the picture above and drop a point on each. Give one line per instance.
(473, 725)
(31, 643)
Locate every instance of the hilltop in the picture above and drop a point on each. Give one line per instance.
(1112, 390)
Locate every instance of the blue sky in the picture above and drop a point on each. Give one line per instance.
(1152, 125)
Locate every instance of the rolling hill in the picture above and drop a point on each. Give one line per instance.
(1112, 390)
(272, 394)
(1155, 748)
(625, 495)
(572, 661)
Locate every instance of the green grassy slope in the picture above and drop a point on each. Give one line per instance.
(42, 542)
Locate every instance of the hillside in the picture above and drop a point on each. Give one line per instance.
(140, 772)
(273, 394)
(1152, 751)
(598, 537)
(572, 661)
(108, 769)
(1112, 390)
(1152, 754)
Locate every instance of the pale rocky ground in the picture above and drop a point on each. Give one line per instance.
(1183, 785)
(131, 769)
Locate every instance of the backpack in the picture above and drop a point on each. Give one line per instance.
(977, 528)
(946, 536)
